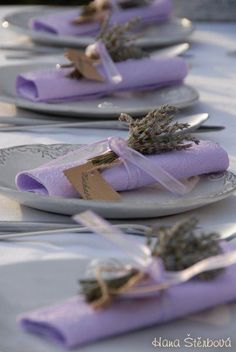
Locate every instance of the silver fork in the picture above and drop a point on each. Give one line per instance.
(28, 226)
(93, 124)
(98, 125)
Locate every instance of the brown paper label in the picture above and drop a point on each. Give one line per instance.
(90, 184)
(84, 65)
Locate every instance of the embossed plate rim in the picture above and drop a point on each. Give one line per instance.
(89, 108)
(50, 38)
(114, 210)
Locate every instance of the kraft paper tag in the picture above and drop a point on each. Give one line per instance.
(90, 184)
(84, 65)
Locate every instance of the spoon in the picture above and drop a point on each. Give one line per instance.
(194, 121)
(172, 51)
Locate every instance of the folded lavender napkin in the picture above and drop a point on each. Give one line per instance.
(61, 23)
(206, 157)
(148, 73)
(74, 322)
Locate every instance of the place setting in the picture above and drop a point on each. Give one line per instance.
(77, 27)
(130, 149)
(61, 299)
(99, 81)
(184, 160)
(130, 84)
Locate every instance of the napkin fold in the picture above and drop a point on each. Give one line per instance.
(204, 158)
(74, 323)
(60, 23)
(148, 73)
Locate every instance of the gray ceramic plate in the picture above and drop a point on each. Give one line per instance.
(29, 286)
(108, 107)
(146, 202)
(174, 31)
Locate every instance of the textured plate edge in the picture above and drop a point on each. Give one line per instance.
(70, 40)
(105, 115)
(69, 147)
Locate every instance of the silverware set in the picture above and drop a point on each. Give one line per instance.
(15, 124)
(21, 123)
(26, 229)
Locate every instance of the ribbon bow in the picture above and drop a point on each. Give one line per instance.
(128, 155)
(142, 265)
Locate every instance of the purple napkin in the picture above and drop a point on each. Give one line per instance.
(148, 73)
(60, 23)
(207, 157)
(74, 323)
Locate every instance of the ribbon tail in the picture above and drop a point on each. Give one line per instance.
(110, 68)
(169, 182)
(83, 154)
(140, 253)
(159, 174)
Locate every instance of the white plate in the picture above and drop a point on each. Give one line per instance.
(146, 202)
(29, 286)
(107, 107)
(174, 31)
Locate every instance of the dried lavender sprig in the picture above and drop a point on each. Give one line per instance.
(181, 246)
(92, 291)
(119, 42)
(152, 134)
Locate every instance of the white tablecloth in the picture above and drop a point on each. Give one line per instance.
(212, 73)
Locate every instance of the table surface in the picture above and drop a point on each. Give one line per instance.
(206, 10)
(212, 73)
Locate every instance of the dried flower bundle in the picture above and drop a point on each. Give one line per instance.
(119, 42)
(179, 247)
(182, 246)
(94, 292)
(153, 134)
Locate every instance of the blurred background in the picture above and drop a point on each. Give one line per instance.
(44, 2)
(203, 10)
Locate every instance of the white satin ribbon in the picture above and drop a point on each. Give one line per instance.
(140, 253)
(119, 146)
(142, 256)
(127, 154)
(109, 66)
